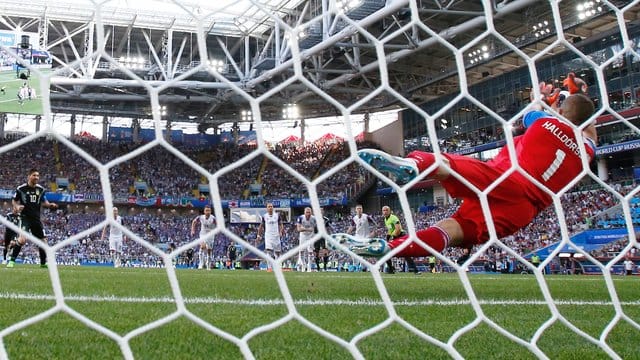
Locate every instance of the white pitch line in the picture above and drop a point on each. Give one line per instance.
(313, 302)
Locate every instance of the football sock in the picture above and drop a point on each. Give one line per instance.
(423, 159)
(432, 236)
(411, 265)
(43, 256)
(390, 268)
(15, 251)
(300, 263)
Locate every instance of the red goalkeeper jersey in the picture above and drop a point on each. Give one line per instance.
(550, 153)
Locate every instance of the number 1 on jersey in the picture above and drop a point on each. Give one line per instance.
(555, 165)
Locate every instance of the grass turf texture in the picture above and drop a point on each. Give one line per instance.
(345, 304)
(9, 100)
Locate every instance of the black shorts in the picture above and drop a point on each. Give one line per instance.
(10, 235)
(319, 244)
(34, 227)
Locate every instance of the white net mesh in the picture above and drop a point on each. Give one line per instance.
(290, 61)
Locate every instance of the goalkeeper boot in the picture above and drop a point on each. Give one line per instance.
(398, 169)
(11, 264)
(44, 266)
(376, 247)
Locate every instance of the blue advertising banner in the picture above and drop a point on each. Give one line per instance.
(177, 136)
(7, 194)
(200, 139)
(625, 146)
(182, 201)
(147, 135)
(125, 134)
(59, 197)
(7, 39)
(587, 240)
(120, 134)
(481, 148)
(244, 137)
(602, 150)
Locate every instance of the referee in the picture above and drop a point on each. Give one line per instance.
(394, 230)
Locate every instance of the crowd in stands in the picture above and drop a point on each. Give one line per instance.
(162, 227)
(6, 59)
(617, 137)
(614, 248)
(321, 158)
(37, 153)
(166, 174)
(452, 139)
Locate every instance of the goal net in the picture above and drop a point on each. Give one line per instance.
(461, 73)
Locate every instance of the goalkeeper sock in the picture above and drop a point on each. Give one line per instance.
(423, 159)
(432, 236)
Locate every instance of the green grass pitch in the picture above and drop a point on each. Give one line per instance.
(9, 99)
(243, 303)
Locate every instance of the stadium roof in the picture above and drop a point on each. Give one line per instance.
(220, 17)
(339, 62)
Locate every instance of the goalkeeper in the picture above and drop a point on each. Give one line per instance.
(549, 152)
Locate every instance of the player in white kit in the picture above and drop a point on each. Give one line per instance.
(23, 94)
(306, 225)
(363, 224)
(116, 239)
(207, 224)
(272, 229)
